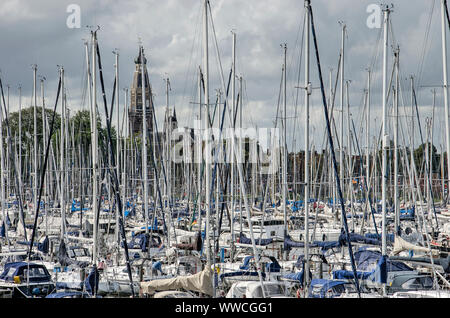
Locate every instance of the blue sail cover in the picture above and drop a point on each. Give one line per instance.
(3, 230)
(289, 243)
(389, 237)
(381, 270)
(344, 274)
(324, 245)
(91, 282)
(43, 247)
(273, 267)
(356, 238)
(298, 277)
(240, 273)
(245, 240)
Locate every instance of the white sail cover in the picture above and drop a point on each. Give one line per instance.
(401, 245)
(200, 282)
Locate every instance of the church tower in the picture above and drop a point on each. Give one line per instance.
(135, 111)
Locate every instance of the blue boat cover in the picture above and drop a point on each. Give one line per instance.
(344, 274)
(141, 241)
(299, 276)
(91, 282)
(71, 294)
(326, 285)
(245, 240)
(69, 286)
(368, 260)
(42, 275)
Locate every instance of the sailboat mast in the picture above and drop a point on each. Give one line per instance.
(349, 149)
(368, 143)
(199, 153)
(125, 159)
(233, 107)
(285, 153)
(44, 136)
(396, 100)
(307, 93)
(2, 175)
(20, 133)
(341, 137)
(444, 70)
(116, 65)
(207, 126)
(94, 142)
(144, 140)
(385, 137)
(61, 162)
(35, 181)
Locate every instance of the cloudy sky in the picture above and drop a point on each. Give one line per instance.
(36, 32)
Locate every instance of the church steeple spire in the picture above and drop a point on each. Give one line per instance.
(135, 112)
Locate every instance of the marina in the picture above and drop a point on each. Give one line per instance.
(123, 193)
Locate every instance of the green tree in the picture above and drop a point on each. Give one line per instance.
(419, 157)
(27, 127)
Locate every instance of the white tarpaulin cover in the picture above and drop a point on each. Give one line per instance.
(401, 245)
(200, 282)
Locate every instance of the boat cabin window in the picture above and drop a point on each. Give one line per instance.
(77, 252)
(418, 283)
(273, 222)
(35, 272)
(266, 223)
(11, 272)
(338, 289)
